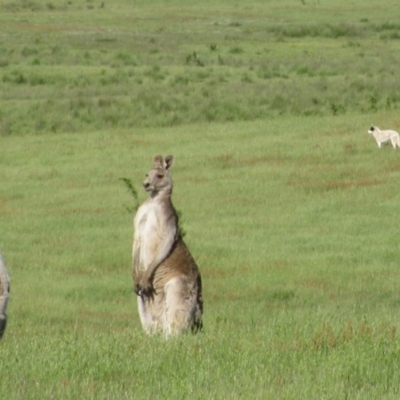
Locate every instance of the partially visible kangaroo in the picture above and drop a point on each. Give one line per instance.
(4, 293)
(167, 279)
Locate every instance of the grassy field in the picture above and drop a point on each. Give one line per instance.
(289, 207)
(90, 65)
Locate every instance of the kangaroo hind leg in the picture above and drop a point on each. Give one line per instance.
(180, 306)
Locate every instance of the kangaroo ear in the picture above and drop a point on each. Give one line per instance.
(158, 161)
(169, 160)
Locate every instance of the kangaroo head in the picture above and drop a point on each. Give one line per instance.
(158, 178)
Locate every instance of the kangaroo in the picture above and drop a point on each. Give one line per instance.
(4, 293)
(166, 277)
(385, 136)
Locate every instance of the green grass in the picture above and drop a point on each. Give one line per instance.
(287, 205)
(292, 222)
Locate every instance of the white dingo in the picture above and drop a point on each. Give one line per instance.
(385, 136)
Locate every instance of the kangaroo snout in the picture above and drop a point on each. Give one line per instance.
(146, 185)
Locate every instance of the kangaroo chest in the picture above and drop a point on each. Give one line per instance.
(152, 231)
(147, 220)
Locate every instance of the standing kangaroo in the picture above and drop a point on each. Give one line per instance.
(167, 279)
(4, 292)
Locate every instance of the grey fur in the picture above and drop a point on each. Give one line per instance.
(4, 295)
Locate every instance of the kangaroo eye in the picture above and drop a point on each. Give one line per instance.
(159, 176)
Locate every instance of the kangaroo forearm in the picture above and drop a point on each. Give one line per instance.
(149, 271)
(162, 253)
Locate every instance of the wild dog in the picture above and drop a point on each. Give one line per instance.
(385, 136)
(166, 278)
(4, 293)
